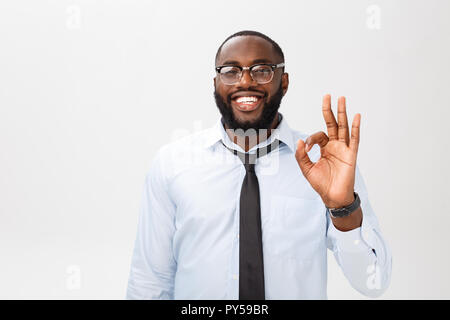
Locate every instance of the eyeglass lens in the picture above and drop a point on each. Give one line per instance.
(260, 73)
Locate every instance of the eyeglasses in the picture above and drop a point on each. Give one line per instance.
(261, 73)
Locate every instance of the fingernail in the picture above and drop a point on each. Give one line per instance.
(306, 146)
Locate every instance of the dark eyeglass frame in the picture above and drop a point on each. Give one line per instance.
(250, 68)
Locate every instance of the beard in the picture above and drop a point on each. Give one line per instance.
(264, 121)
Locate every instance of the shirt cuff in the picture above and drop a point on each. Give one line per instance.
(359, 239)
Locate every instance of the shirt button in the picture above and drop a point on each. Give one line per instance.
(235, 276)
(356, 242)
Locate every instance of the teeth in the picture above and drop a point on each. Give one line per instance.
(246, 99)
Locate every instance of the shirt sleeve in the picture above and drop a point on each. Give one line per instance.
(153, 265)
(362, 253)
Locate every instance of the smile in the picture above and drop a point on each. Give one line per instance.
(246, 103)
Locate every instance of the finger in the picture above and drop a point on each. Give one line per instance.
(354, 141)
(319, 138)
(330, 120)
(303, 160)
(342, 121)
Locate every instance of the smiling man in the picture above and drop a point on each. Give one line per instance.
(258, 225)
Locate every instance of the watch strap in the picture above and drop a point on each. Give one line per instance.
(347, 210)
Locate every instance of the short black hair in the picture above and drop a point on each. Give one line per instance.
(275, 45)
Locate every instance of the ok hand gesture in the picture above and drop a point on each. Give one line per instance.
(333, 175)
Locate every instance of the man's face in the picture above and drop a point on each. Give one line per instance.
(246, 51)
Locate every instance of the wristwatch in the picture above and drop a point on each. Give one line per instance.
(345, 211)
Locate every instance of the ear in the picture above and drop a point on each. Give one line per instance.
(285, 82)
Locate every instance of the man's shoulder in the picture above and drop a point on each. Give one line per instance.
(289, 133)
(184, 142)
(314, 153)
(296, 135)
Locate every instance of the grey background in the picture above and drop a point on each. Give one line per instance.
(90, 89)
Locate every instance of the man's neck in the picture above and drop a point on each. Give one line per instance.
(248, 142)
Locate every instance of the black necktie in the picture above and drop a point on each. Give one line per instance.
(251, 266)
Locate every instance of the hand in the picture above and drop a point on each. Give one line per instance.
(333, 175)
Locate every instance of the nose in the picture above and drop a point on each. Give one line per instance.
(246, 79)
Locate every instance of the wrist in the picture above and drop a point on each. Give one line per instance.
(342, 203)
(340, 212)
(350, 222)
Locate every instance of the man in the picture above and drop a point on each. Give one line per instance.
(257, 225)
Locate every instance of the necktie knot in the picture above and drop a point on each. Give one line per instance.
(249, 167)
(249, 159)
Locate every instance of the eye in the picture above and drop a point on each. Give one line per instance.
(230, 71)
(262, 70)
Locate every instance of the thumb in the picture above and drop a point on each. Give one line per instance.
(302, 158)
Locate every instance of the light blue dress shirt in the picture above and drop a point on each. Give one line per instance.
(187, 243)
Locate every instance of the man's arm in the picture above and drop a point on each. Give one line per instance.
(153, 265)
(361, 252)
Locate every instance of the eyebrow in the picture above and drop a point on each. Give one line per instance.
(233, 62)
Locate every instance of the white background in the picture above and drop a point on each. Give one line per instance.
(89, 90)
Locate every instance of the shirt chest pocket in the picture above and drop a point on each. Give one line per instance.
(296, 227)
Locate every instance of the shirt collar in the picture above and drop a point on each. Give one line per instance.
(283, 133)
